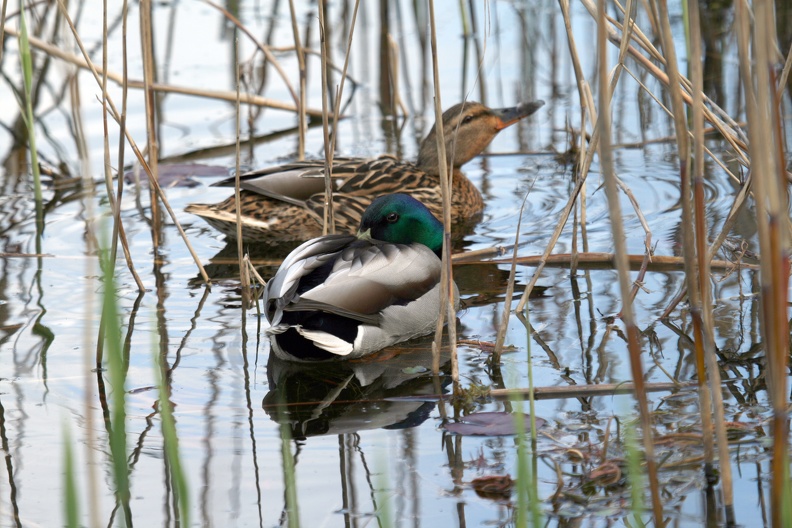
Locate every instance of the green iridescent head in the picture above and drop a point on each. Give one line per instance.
(401, 219)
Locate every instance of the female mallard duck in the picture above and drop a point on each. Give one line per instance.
(286, 203)
(346, 296)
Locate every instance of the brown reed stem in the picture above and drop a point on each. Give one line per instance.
(244, 276)
(264, 49)
(495, 358)
(3, 11)
(710, 396)
(771, 205)
(340, 93)
(448, 290)
(152, 142)
(121, 150)
(660, 263)
(222, 95)
(301, 103)
(328, 225)
(611, 189)
(114, 201)
(116, 116)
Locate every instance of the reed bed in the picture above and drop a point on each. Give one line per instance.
(636, 38)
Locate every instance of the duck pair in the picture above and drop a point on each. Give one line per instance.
(347, 296)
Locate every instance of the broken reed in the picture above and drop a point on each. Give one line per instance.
(767, 156)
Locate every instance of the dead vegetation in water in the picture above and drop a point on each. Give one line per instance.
(595, 472)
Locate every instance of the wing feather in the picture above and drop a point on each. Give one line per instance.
(366, 277)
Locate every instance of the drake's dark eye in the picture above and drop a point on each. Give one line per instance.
(467, 119)
(392, 218)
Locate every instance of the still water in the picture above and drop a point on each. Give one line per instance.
(367, 439)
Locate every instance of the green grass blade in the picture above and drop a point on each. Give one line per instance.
(70, 499)
(289, 477)
(634, 473)
(117, 381)
(527, 471)
(27, 73)
(171, 442)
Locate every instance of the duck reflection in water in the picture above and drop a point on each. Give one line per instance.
(394, 389)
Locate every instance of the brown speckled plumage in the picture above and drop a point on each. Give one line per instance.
(292, 208)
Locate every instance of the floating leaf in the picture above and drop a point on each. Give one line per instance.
(496, 487)
(489, 424)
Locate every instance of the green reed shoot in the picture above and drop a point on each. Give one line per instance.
(171, 443)
(70, 501)
(117, 380)
(383, 503)
(634, 473)
(27, 74)
(289, 477)
(527, 472)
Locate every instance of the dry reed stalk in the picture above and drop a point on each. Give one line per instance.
(152, 141)
(385, 80)
(116, 116)
(340, 92)
(587, 103)
(298, 49)
(728, 131)
(772, 220)
(782, 81)
(585, 109)
(88, 346)
(328, 224)
(657, 100)
(318, 53)
(586, 391)
(633, 335)
(264, 49)
(477, 47)
(118, 227)
(122, 132)
(638, 282)
(447, 278)
(710, 396)
(3, 12)
(696, 275)
(550, 245)
(393, 64)
(244, 277)
(409, 108)
(221, 95)
(495, 358)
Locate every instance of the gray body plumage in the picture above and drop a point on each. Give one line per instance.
(391, 290)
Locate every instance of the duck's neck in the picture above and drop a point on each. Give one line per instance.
(428, 160)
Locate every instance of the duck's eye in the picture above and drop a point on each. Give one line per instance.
(467, 119)
(392, 218)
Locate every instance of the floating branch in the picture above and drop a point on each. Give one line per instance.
(600, 261)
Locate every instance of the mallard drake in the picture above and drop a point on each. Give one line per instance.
(346, 296)
(286, 203)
